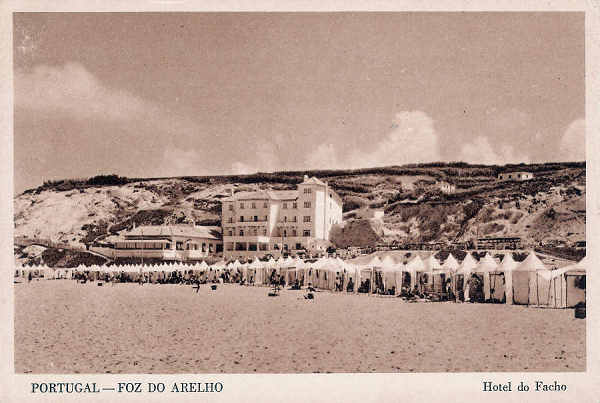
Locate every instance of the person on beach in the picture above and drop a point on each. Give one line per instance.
(350, 286)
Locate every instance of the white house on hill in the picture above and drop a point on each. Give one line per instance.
(515, 176)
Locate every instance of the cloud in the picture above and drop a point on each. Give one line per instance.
(72, 91)
(572, 143)
(118, 118)
(413, 139)
(325, 157)
(266, 157)
(481, 151)
(180, 162)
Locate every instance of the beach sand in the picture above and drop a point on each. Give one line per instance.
(65, 327)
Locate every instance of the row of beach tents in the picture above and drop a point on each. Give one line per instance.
(529, 282)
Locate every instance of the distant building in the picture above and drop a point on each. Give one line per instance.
(447, 187)
(515, 176)
(270, 222)
(499, 243)
(369, 213)
(580, 244)
(172, 242)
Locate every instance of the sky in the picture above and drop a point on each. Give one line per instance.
(174, 94)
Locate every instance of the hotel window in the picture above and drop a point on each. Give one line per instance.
(167, 246)
(306, 232)
(298, 246)
(306, 204)
(294, 233)
(230, 233)
(285, 219)
(306, 218)
(284, 205)
(307, 190)
(295, 205)
(230, 219)
(294, 219)
(241, 232)
(230, 207)
(255, 218)
(284, 233)
(253, 205)
(241, 218)
(241, 205)
(264, 231)
(265, 205)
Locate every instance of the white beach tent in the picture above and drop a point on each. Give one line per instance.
(466, 268)
(339, 273)
(323, 273)
(507, 266)
(368, 271)
(301, 269)
(351, 272)
(392, 274)
(413, 268)
(450, 266)
(485, 267)
(433, 268)
(567, 287)
(531, 282)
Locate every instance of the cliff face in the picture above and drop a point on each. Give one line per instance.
(552, 206)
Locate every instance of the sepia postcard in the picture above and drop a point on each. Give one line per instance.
(278, 202)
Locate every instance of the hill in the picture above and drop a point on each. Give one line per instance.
(551, 206)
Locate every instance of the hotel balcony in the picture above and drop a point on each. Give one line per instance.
(287, 224)
(247, 238)
(251, 222)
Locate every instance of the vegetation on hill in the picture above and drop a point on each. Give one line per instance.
(551, 206)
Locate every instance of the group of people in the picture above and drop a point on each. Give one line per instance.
(419, 291)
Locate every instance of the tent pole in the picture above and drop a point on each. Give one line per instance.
(537, 288)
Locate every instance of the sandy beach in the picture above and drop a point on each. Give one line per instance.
(65, 327)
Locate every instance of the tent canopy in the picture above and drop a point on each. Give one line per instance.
(531, 263)
(487, 264)
(451, 263)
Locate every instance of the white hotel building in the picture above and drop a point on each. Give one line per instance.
(279, 221)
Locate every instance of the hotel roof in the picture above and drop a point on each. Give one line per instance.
(190, 231)
(277, 194)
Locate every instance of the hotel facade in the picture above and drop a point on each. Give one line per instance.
(276, 222)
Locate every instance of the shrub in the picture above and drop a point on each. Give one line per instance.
(107, 180)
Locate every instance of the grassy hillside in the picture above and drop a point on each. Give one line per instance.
(552, 206)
